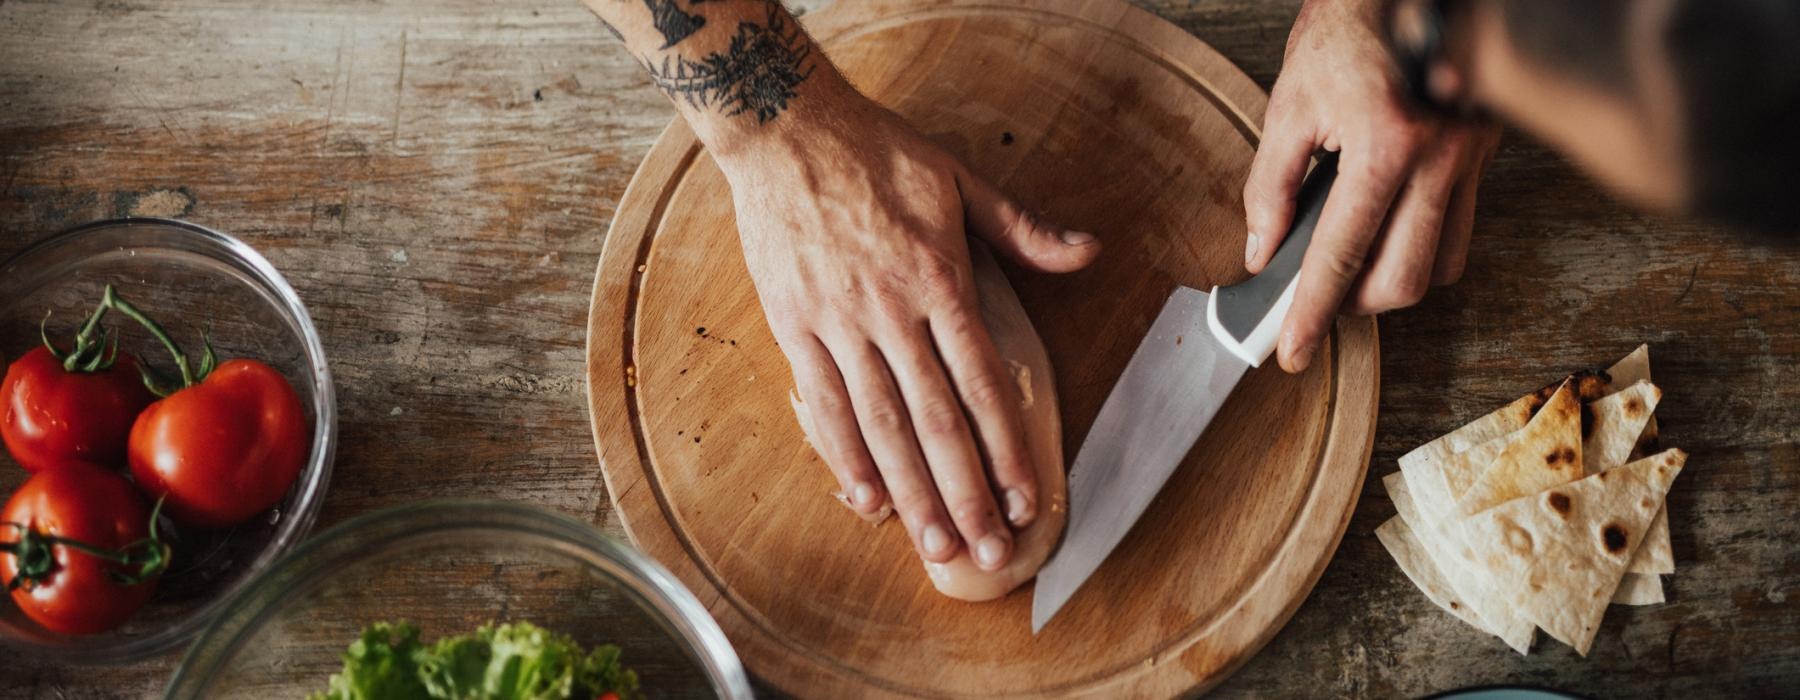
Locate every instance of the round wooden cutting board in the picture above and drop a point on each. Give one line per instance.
(1105, 118)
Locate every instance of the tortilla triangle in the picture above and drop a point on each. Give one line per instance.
(1639, 589)
(1614, 423)
(1558, 556)
(1416, 564)
(1429, 527)
(1613, 426)
(1547, 452)
(1656, 555)
(1506, 420)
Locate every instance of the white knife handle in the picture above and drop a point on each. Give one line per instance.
(1256, 347)
(1246, 317)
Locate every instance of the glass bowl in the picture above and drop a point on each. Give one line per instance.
(449, 567)
(192, 280)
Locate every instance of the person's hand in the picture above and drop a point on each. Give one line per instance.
(1398, 218)
(854, 232)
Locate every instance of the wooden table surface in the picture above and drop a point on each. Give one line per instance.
(436, 179)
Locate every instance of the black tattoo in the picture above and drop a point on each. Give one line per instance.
(757, 73)
(674, 24)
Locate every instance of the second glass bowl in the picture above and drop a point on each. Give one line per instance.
(449, 567)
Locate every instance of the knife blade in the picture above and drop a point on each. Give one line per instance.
(1196, 351)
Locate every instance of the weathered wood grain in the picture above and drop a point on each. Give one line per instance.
(435, 178)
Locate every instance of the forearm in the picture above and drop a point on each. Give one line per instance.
(739, 71)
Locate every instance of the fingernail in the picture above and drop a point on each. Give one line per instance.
(1077, 237)
(989, 552)
(1018, 507)
(936, 541)
(1250, 248)
(1293, 359)
(863, 496)
(1302, 358)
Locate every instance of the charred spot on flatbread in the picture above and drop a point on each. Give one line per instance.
(1587, 386)
(1612, 536)
(1559, 502)
(1561, 455)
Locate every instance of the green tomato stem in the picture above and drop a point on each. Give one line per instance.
(113, 300)
(95, 346)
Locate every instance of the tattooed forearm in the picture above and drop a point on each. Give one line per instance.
(674, 24)
(756, 74)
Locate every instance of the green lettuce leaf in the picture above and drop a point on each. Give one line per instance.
(382, 663)
(518, 661)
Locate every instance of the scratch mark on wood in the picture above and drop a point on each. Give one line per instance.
(337, 66)
(1690, 284)
(154, 112)
(399, 92)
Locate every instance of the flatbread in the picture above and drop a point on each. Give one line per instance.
(1657, 555)
(1430, 488)
(1639, 589)
(1614, 423)
(1558, 556)
(1438, 484)
(1406, 549)
(1547, 452)
(1464, 583)
(1507, 420)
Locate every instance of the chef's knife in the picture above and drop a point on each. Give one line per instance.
(1196, 351)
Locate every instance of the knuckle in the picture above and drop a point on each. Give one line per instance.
(1411, 289)
(824, 404)
(1390, 158)
(916, 505)
(940, 419)
(964, 321)
(1259, 192)
(890, 305)
(940, 275)
(1342, 264)
(986, 391)
(1393, 294)
(1024, 223)
(885, 417)
(1013, 467)
(972, 513)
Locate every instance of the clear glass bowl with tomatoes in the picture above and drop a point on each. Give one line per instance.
(447, 568)
(137, 489)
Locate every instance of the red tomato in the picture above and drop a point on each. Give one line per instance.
(50, 416)
(223, 449)
(77, 593)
